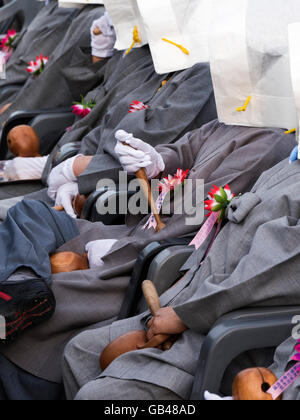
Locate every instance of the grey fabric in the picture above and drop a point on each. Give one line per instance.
(240, 271)
(68, 73)
(7, 204)
(31, 232)
(41, 37)
(216, 153)
(282, 363)
(186, 102)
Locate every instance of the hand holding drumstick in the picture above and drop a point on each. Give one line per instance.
(143, 160)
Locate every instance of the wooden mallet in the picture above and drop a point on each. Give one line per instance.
(137, 340)
(145, 185)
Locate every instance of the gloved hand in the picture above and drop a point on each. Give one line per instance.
(294, 155)
(213, 397)
(139, 155)
(97, 250)
(60, 175)
(25, 168)
(65, 197)
(103, 44)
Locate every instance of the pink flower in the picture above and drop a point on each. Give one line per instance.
(7, 41)
(84, 108)
(171, 182)
(136, 106)
(37, 67)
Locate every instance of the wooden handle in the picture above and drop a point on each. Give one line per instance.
(58, 208)
(145, 185)
(151, 296)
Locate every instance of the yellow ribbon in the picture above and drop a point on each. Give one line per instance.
(136, 39)
(184, 50)
(245, 106)
(291, 131)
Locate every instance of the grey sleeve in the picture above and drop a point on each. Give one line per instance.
(265, 276)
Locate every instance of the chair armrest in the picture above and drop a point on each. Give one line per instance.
(49, 124)
(164, 271)
(235, 334)
(140, 273)
(8, 90)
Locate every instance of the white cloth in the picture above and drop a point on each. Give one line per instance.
(25, 168)
(294, 40)
(249, 57)
(103, 44)
(139, 155)
(125, 16)
(60, 175)
(97, 250)
(65, 197)
(184, 22)
(213, 397)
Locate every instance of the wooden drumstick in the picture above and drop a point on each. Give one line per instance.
(152, 299)
(145, 185)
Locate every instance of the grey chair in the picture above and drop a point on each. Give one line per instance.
(233, 334)
(22, 10)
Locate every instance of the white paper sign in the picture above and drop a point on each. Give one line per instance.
(294, 42)
(249, 56)
(183, 22)
(125, 16)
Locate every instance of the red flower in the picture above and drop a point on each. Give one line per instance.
(136, 106)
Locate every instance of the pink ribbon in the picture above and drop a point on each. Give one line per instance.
(284, 382)
(205, 230)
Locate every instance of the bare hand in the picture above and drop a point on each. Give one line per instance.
(166, 321)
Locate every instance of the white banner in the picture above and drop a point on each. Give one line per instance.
(177, 31)
(125, 17)
(250, 66)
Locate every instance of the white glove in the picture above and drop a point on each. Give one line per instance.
(213, 397)
(25, 168)
(139, 155)
(103, 44)
(97, 250)
(65, 197)
(60, 175)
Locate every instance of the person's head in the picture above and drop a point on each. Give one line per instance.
(23, 141)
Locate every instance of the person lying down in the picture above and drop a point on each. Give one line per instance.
(71, 302)
(239, 271)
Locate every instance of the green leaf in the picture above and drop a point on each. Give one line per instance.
(218, 207)
(218, 199)
(223, 194)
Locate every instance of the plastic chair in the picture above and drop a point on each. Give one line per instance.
(49, 125)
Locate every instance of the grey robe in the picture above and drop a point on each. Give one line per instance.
(215, 153)
(68, 73)
(186, 102)
(41, 37)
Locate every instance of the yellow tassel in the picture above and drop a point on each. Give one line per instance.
(184, 50)
(244, 108)
(291, 131)
(136, 40)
